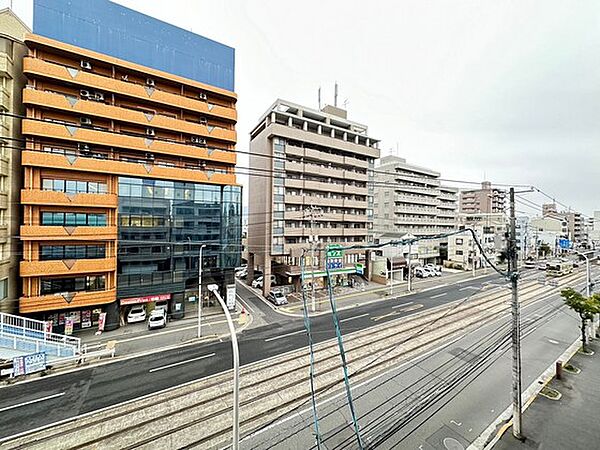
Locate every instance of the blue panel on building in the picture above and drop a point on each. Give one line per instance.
(106, 27)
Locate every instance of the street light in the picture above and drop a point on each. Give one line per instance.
(200, 291)
(588, 286)
(236, 367)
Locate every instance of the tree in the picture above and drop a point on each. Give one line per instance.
(586, 307)
(544, 250)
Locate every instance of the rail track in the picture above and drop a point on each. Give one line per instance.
(198, 415)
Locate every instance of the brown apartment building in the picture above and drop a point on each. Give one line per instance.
(127, 170)
(487, 200)
(311, 176)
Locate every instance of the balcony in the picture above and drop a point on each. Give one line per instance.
(67, 267)
(355, 217)
(3, 166)
(416, 210)
(58, 233)
(362, 204)
(141, 170)
(355, 232)
(58, 301)
(52, 198)
(293, 150)
(415, 199)
(85, 80)
(355, 176)
(293, 166)
(97, 109)
(355, 162)
(75, 134)
(3, 201)
(321, 186)
(311, 153)
(295, 231)
(348, 189)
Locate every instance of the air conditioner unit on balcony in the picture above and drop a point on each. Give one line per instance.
(150, 82)
(86, 65)
(99, 96)
(84, 94)
(203, 121)
(85, 121)
(84, 149)
(150, 156)
(198, 140)
(202, 96)
(150, 131)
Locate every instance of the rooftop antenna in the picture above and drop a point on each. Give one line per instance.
(345, 103)
(335, 94)
(319, 98)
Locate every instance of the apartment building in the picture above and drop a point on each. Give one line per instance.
(311, 176)
(12, 81)
(576, 231)
(486, 200)
(128, 170)
(490, 230)
(410, 201)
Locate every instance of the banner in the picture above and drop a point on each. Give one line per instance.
(69, 325)
(86, 318)
(231, 297)
(24, 365)
(101, 321)
(48, 327)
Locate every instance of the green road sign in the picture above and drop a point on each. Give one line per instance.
(335, 251)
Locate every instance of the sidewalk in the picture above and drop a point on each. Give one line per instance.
(569, 422)
(136, 338)
(370, 292)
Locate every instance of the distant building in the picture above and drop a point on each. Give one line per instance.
(546, 231)
(490, 229)
(321, 185)
(486, 200)
(576, 231)
(410, 200)
(12, 51)
(595, 234)
(522, 231)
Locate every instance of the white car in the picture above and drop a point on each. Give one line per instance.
(258, 283)
(277, 298)
(435, 270)
(136, 314)
(421, 272)
(158, 319)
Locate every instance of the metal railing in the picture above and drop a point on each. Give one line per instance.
(22, 333)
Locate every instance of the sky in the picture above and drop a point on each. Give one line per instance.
(508, 91)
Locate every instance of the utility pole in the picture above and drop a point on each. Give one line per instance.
(200, 299)
(409, 267)
(314, 213)
(516, 322)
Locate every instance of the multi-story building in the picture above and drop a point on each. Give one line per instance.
(486, 200)
(595, 233)
(311, 176)
(490, 230)
(575, 222)
(522, 235)
(544, 232)
(12, 51)
(410, 201)
(129, 169)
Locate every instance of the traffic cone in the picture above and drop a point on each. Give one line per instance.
(242, 318)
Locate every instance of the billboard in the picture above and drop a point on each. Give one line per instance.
(106, 27)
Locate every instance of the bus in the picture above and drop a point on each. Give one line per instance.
(559, 268)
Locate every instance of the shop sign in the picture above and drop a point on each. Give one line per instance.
(69, 321)
(86, 318)
(48, 326)
(76, 316)
(146, 299)
(335, 251)
(360, 268)
(24, 365)
(231, 297)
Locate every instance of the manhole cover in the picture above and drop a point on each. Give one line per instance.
(452, 444)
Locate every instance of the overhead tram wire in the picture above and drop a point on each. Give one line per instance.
(79, 126)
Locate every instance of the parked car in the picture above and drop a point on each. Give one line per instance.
(158, 319)
(421, 272)
(530, 264)
(258, 283)
(277, 298)
(436, 270)
(137, 314)
(242, 273)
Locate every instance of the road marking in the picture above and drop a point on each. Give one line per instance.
(377, 318)
(156, 369)
(285, 335)
(439, 295)
(32, 401)
(552, 341)
(403, 304)
(355, 317)
(468, 287)
(458, 424)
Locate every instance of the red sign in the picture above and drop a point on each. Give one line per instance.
(101, 320)
(147, 299)
(48, 327)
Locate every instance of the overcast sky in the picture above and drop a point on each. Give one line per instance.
(505, 90)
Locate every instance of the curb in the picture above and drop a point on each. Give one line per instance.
(485, 441)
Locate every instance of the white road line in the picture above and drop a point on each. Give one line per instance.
(468, 287)
(401, 305)
(156, 369)
(439, 295)
(32, 401)
(285, 335)
(355, 317)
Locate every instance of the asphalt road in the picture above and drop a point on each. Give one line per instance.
(28, 405)
(425, 399)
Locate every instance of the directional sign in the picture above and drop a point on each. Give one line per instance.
(564, 243)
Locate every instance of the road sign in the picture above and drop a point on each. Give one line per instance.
(24, 365)
(564, 243)
(231, 297)
(360, 268)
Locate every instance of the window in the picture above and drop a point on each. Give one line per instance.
(3, 288)
(73, 219)
(459, 241)
(55, 252)
(74, 186)
(459, 252)
(58, 285)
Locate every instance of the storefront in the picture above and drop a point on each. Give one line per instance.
(71, 321)
(150, 302)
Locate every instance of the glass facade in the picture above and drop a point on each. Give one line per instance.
(161, 227)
